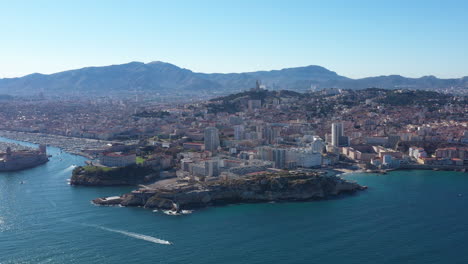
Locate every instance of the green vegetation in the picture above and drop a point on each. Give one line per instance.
(233, 103)
(252, 95)
(319, 105)
(140, 160)
(227, 107)
(96, 169)
(133, 174)
(407, 97)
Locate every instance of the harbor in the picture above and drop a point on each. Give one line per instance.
(69, 144)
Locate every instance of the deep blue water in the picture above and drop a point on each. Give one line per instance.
(404, 217)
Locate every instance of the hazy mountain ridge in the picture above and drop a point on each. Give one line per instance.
(165, 77)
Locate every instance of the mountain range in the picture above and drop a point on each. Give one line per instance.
(164, 77)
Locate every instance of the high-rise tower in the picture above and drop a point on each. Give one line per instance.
(337, 133)
(211, 139)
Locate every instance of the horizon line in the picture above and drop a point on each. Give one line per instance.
(269, 70)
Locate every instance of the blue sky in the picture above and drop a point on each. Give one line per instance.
(354, 38)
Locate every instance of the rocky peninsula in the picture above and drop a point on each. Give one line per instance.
(278, 187)
(105, 176)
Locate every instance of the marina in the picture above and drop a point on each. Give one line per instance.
(68, 144)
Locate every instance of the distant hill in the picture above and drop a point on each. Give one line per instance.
(155, 76)
(164, 77)
(321, 102)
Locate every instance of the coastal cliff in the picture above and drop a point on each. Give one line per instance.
(104, 176)
(251, 189)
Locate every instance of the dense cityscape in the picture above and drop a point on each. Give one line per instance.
(255, 131)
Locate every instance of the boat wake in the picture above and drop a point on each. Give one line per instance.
(135, 235)
(69, 168)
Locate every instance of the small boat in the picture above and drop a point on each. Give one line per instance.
(21, 182)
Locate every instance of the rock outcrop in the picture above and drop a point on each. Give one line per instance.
(251, 189)
(103, 176)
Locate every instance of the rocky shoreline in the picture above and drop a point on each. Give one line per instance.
(278, 187)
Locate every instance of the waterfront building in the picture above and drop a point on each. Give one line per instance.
(381, 151)
(362, 153)
(376, 162)
(417, 153)
(200, 168)
(387, 159)
(117, 159)
(304, 157)
(452, 152)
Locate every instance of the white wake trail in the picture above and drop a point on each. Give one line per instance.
(136, 235)
(71, 167)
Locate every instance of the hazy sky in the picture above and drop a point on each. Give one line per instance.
(353, 38)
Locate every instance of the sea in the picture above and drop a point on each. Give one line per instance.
(403, 217)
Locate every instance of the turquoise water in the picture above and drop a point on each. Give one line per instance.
(404, 217)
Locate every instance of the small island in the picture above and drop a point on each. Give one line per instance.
(180, 195)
